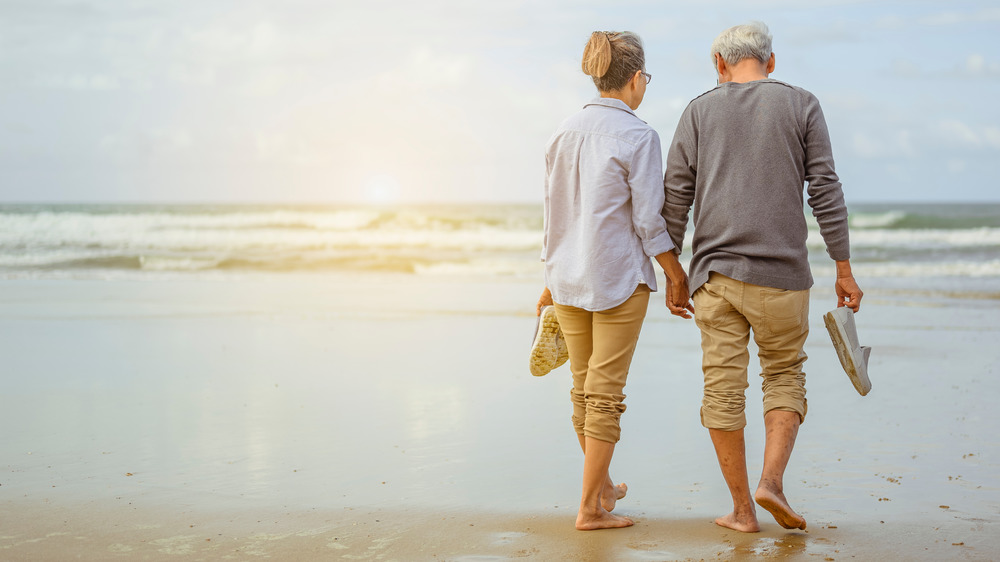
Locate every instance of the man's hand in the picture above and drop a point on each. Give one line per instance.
(678, 298)
(544, 300)
(848, 292)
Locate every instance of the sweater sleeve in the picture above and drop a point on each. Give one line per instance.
(826, 196)
(679, 179)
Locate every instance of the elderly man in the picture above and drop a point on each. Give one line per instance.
(741, 156)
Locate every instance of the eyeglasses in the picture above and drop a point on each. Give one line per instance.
(649, 77)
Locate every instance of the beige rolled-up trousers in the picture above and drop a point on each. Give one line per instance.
(725, 311)
(601, 345)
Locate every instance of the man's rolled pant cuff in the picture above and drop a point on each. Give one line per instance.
(723, 421)
(785, 406)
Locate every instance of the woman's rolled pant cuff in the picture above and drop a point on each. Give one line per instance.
(602, 426)
(604, 420)
(603, 430)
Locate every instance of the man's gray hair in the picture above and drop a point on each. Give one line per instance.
(748, 41)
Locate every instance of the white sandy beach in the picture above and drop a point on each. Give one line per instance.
(393, 418)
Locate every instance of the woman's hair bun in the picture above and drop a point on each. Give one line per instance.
(597, 55)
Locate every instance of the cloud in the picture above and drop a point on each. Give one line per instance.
(427, 69)
(81, 82)
(195, 75)
(32, 11)
(961, 134)
(903, 68)
(880, 145)
(973, 66)
(837, 32)
(960, 18)
(847, 101)
(977, 65)
(283, 147)
(957, 166)
(958, 132)
(991, 136)
(947, 138)
(146, 145)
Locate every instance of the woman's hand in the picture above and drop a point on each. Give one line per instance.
(679, 297)
(544, 300)
(678, 294)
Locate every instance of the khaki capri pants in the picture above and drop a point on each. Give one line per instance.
(725, 311)
(601, 345)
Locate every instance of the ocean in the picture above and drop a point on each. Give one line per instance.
(902, 248)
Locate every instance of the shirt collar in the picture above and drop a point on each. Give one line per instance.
(613, 103)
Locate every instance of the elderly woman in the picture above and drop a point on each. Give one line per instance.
(603, 197)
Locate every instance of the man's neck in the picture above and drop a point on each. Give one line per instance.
(747, 70)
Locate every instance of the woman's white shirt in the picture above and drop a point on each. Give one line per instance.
(603, 199)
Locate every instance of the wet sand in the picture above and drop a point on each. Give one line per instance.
(393, 418)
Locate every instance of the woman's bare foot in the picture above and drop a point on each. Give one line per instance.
(774, 501)
(744, 523)
(612, 494)
(591, 521)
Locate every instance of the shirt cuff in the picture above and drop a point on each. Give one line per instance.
(660, 244)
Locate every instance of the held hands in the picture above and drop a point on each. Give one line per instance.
(544, 300)
(679, 298)
(678, 294)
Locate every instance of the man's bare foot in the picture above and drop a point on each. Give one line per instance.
(591, 521)
(777, 505)
(611, 495)
(742, 523)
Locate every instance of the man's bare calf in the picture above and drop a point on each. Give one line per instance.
(731, 451)
(782, 427)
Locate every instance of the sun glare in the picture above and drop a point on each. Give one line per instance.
(381, 189)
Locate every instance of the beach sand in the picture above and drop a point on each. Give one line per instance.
(393, 418)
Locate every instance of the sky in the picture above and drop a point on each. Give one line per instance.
(335, 101)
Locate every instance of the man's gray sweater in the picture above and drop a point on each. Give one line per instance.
(741, 155)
